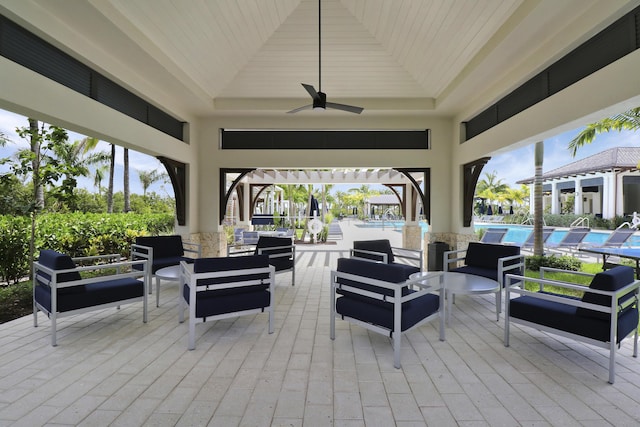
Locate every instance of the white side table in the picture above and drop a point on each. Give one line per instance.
(467, 284)
(170, 274)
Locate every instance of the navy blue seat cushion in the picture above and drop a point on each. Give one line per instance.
(58, 261)
(91, 294)
(482, 259)
(280, 262)
(563, 317)
(610, 280)
(381, 245)
(220, 301)
(381, 313)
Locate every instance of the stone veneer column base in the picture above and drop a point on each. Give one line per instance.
(412, 239)
(455, 241)
(213, 244)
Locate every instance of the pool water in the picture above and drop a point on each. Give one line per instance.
(516, 233)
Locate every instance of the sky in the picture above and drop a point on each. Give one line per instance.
(137, 161)
(510, 167)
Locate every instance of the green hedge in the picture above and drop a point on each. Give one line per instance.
(77, 234)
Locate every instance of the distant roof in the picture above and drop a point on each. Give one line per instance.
(383, 199)
(619, 158)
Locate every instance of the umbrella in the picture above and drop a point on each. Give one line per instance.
(510, 210)
(481, 209)
(499, 210)
(489, 210)
(314, 206)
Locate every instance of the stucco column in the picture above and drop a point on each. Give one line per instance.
(555, 198)
(578, 207)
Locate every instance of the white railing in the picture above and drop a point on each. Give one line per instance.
(580, 222)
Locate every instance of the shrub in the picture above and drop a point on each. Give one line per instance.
(563, 262)
(14, 248)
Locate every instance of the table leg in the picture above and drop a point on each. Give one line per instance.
(157, 291)
(498, 304)
(449, 306)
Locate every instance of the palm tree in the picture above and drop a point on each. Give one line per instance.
(491, 187)
(538, 248)
(628, 120)
(127, 196)
(362, 194)
(112, 167)
(149, 177)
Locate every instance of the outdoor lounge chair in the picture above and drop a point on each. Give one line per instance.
(494, 235)
(378, 297)
(221, 288)
(281, 252)
(382, 251)
(571, 241)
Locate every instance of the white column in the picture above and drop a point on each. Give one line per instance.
(578, 207)
(555, 198)
(246, 203)
(412, 215)
(608, 197)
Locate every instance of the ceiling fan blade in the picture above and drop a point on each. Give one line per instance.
(311, 90)
(344, 107)
(295, 110)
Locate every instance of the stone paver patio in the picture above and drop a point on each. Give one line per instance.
(111, 369)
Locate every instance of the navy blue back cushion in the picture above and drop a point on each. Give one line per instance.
(610, 280)
(57, 261)
(486, 255)
(206, 265)
(384, 272)
(382, 245)
(280, 262)
(163, 246)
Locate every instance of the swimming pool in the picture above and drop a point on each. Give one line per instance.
(519, 233)
(516, 233)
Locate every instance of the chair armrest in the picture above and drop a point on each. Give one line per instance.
(396, 287)
(357, 253)
(503, 267)
(408, 254)
(141, 251)
(110, 258)
(457, 257)
(268, 251)
(194, 248)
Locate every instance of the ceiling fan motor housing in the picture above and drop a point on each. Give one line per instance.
(320, 101)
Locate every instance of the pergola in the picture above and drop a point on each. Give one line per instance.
(206, 86)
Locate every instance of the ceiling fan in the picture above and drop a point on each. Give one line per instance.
(319, 97)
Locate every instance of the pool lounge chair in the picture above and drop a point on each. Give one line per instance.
(546, 233)
(494, 235)
(616, 239)
(571, 241)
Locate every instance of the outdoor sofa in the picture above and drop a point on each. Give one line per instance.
(60, 290)
(605, 314)
(281, 252)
